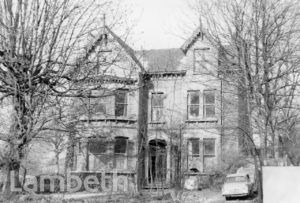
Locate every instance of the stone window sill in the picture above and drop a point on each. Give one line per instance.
(211, 120)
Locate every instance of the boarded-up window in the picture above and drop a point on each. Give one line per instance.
(121, 103)
(157, 106)
(193, 104)
(194, 147)
(97, 146)
(209, 147)
(209, 104)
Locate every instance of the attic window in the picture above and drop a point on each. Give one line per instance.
(200, 59)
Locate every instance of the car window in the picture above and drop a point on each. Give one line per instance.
(236, 179)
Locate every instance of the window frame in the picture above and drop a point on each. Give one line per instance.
(197, 141)
(160, 108)
(93, 102)
(209, 104)
(121, 138)
(189, 116)
(204, 147)
(199, 61)
(124, 104)
(105, 143)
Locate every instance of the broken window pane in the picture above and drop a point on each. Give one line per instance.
(200, 60)
(193, 104)
(194, 111)
(120, 145)
(157, 99)
(121, 104)
(209, 147)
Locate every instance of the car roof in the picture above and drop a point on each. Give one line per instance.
(237, 174)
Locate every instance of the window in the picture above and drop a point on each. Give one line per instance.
(98, 106)
(121, 104)
(120, 145)
(209, 104)
(120, 158)
(200, 59)
(97, 146)
(194, 147)
(157, 107)
(193, 104)
(79, 147)
(209, 147)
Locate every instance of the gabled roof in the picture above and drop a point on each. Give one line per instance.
(127, 49)
(191, 40)
(125, 46)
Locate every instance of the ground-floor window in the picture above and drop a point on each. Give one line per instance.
(201, 153)
(101, 153)
(209, 146)
(194, 147)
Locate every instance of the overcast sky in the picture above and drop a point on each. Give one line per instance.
(160, 23)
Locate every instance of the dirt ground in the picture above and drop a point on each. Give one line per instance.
(166, 196)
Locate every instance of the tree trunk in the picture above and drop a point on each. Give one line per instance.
(142, 129)
(12, 180)
(69, 162)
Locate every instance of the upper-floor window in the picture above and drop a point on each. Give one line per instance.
(200, 59)
(121, 104)
(98, 105)
(193, 104)
(157, 106)
(209, 104)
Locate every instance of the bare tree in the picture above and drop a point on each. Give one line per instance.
(45, 53)
(258, 43)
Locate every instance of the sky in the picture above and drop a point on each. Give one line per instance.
(160, 23)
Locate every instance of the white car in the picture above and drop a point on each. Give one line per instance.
(237, 185)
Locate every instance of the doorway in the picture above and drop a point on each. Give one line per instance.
(157, 167)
